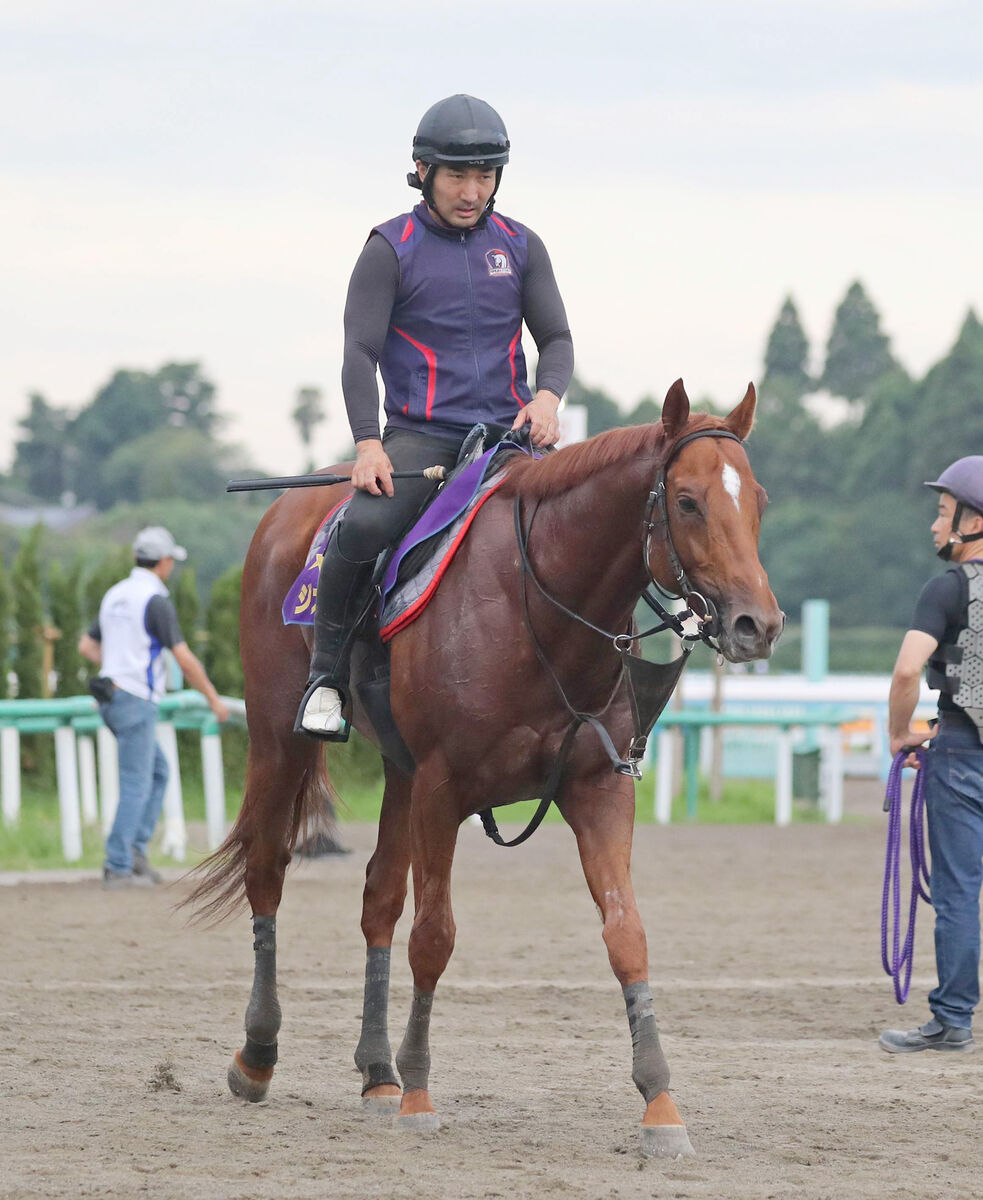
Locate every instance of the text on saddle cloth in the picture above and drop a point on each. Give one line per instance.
(421, 557)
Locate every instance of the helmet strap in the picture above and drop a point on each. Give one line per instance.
(955, 537)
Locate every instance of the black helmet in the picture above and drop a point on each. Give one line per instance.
(461, 131)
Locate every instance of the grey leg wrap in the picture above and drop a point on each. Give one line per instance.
(413, 1059)
(263, 1013)
(373, 1054)
(649, 1068)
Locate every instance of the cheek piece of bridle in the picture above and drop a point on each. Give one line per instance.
(650, 684)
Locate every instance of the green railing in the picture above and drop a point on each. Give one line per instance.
(86, 763)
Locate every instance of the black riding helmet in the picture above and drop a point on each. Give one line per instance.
(461, 131)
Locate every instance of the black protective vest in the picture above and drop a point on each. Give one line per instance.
(956, 667)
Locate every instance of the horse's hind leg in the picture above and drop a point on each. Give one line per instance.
(601, 813)
(277, 781)
(382, 904)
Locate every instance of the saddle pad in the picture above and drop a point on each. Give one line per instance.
(434, 537)
(301, 600)
(409, 597)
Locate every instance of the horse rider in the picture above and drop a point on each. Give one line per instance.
(947, 634)
(436, 301)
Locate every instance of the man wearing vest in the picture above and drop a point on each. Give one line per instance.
(136, 623)
(437, 300)
(947, 635)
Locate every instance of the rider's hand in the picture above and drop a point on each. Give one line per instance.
(219, 709)
(372, 471)
(912, 737)
(540, 413)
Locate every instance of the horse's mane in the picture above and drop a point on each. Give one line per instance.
(536, 479)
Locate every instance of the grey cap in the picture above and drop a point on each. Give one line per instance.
(155, 542)
(964, 480)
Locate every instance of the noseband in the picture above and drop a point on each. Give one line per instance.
(697, 605)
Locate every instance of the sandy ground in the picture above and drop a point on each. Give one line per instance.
(118, 1023)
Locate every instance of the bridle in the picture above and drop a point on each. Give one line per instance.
(633, 668)
(697, 605)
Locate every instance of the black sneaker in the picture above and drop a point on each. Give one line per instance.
(933, 1035)
(142, 868)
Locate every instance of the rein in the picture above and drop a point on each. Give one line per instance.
(697, 606)
(898, 963)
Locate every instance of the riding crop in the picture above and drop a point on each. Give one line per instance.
(898, 964)
(298, 481)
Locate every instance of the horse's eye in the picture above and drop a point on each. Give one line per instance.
(687, 505)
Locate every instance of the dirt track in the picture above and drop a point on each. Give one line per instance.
(764, 952)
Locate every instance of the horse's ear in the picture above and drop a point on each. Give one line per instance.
(675, 409)
(742, 418)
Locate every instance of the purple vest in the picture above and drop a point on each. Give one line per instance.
(453, 353)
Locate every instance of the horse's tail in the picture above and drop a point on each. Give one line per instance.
(220, 887)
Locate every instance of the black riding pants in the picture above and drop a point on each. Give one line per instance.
(371, 523)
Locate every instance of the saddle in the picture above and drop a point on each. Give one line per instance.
(406, 574)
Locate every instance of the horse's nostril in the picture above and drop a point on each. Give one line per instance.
(745, 628)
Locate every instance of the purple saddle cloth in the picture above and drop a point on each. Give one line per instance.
(453, 503)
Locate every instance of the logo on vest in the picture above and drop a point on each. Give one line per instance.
(498, 262)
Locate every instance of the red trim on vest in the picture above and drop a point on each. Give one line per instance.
(512, 345)
(418, 605)
(407, 229)
(431, 358)
(501, 224)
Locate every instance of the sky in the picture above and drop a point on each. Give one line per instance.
(193, 182)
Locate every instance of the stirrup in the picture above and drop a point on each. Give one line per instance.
(333, 735)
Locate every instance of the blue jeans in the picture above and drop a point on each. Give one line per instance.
(954, 804)
(142, 778)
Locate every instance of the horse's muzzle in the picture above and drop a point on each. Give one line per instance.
(748, 634)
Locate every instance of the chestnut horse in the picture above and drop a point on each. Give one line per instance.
(479, 712)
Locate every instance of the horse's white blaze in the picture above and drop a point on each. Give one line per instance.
(732, 485)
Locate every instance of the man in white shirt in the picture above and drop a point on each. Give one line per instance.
(136, 622)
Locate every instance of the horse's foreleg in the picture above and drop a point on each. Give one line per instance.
(601, 813)
(382, 905)
(434, 825)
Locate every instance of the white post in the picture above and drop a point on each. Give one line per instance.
(664, 777)
(832, 774)
(87, 779)
(108, 776)
(175, 841)
(783, 778)
(214, 778)
(10, 773)
(66, 770)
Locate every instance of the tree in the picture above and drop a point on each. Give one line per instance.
(947, 416)
(6, 606)
(646, 412)
(857, 353)
(222, 628)
(131, 405)
(602, 412)
(184, 593)
(307, 414)
(28, 618)
(63, 592)
(787, 355)
(41, 456)
(156, 466)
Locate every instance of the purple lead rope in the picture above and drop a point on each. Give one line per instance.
(898, 966)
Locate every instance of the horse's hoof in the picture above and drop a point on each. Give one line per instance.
(422, 1122)
(665, 1141)
(383, 1100)
(249, 1083)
